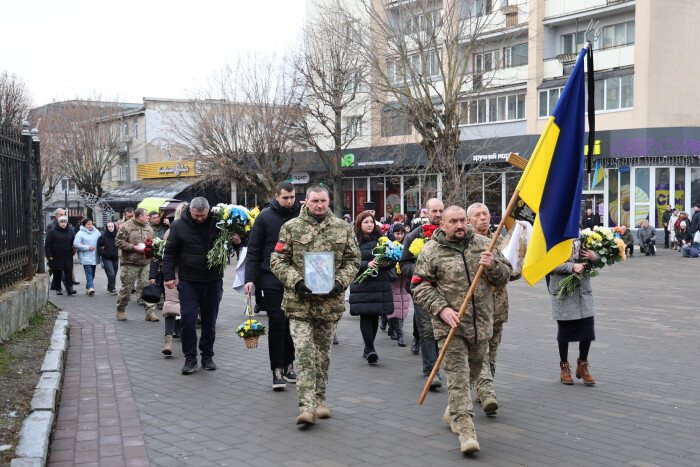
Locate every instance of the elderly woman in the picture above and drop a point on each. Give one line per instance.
(59, 251)
(85, 242)
(574, 313)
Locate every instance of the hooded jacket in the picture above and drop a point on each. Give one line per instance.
(83, 240)
(262, 241)
(106, 246)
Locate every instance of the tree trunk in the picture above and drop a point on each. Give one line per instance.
(337, 196)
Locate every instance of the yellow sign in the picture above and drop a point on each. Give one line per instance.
(167, 169)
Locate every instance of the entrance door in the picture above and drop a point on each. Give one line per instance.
(595, 202)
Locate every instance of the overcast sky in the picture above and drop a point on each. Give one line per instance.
(131, 49)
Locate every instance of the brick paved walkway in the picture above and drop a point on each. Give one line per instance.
(643, 411)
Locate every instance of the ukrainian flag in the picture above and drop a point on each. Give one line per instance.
(598, 175)
(552, 182)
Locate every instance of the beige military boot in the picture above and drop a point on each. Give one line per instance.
(307, 417)
(490, 405)
(121, 316)
(467, 435)
(322, 411)
(168, 349)
(447, 418)
(150, 316)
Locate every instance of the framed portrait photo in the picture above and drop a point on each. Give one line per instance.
(319, 271)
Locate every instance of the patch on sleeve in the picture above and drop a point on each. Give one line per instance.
(280, 246)
(417, 279)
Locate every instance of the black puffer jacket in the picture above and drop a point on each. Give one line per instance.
(59, 246)
(106, 246)
(187, 247)
(372, 297)
(263, 238)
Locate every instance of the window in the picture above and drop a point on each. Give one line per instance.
(354, 82)
(430, 64)
(515, 55)
(485, 61)
(424, 22)
(126, 129)
(548, 100)
(618, 34)
(394, 123)
(627, 91)
(492, 109)
(136, 130)
(68, 185)
(482, 7)
(353, 128)
(615, 93)
(567, 43)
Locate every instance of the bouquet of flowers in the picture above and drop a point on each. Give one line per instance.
(400, 247)
(384, 251)
(417, 244)
(230, 220)
(251, 330)
(154, 249)
(606, 244)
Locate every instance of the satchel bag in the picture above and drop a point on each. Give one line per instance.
(152, 292)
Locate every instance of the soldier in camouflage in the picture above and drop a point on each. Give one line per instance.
(135, 266)
(313, 318)
(442, 276)
(479, 218)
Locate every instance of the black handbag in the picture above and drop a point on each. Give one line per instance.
(152, 292)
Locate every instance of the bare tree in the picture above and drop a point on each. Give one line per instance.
(335, 68)
(15, 101)
(242, 129)
(50, 171)
(81, 140)
(423, 68)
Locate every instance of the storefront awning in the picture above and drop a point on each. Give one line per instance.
(131, 194)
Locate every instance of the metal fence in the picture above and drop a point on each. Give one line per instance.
(21, 237)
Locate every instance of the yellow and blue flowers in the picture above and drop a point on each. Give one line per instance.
(250, 328)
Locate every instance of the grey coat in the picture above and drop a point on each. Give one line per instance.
(577, 305)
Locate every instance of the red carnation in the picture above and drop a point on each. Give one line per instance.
(428, 230)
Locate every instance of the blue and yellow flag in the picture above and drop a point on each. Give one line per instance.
(598, 175)
(552, 182)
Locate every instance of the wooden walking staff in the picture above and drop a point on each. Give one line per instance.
(520, 163)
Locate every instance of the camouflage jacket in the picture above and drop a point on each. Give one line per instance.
(307, 234)
(500, 293)
(130, 234)
(442, 278)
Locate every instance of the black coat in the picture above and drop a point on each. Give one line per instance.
(187, 250)
(372, 297)
(106, 247)
(59, 246)
(261, 244)
(695, 222)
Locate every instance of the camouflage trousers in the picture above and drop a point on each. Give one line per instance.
(484, 385)
(312, 345)
(129, 274)
(462, 365)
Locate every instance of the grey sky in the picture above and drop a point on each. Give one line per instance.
(131, 49)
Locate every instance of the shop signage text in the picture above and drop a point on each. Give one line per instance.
(641, 147)
(170, 169)
(491, 157)
(298, 178)
(176, 170)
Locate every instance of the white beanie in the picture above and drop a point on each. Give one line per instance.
(683, 224)
(62, 218)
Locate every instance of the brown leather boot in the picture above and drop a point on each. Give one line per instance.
(168, 349)
(582, 372)
(565, 375)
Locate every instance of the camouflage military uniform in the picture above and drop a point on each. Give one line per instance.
(444, 270)
(312, 321)
(484, 385)
(135, 265)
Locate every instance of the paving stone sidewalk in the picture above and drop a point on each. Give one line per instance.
(120, 392)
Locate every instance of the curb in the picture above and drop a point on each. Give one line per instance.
(33, 446)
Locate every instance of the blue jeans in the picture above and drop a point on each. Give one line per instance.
(111, 268)
(205, 297)
(89, 275)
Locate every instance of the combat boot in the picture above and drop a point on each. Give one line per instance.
(150, 316)
(582, 372)
(306, 417)
(565, 375)
(121, 316)
(467, 434)
(447, 418)
(490, 405)
(168, 349)
(322, 411)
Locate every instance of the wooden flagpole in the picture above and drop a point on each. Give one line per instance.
(517, 161)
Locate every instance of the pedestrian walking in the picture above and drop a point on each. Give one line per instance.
(60, 212)
(441, 279)
(262, 242)
(666, 219)
(372, 297)
(58, 247)
(158, 224)
(574, 314)
(402, 299)
(313, 318)
(131, 239)
(200, 287)
(108, 251)
(85, 242)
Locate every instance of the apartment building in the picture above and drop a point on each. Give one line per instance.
(647, 118)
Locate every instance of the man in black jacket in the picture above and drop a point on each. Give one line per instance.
(263, 238)
(421, 318)
(666, 219)
(695, 221)
(200, 287)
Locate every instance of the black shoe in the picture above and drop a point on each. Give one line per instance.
(372, 357)
(208, 363)
(76, 283)
(290, 375)
(58, 292)
(159, 306)
(278, 382)
(382, 323)
(133, 290)
(71, 292)
(335, 340)
(256, 309)
(415, 349)
(190, 365)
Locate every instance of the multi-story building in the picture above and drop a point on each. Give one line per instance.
(647, 122)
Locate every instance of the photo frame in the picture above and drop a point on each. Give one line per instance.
(319, 271)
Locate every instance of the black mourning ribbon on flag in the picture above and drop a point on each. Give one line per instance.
(591, 108)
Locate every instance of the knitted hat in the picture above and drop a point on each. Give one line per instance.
(62, 218)
(683, 224)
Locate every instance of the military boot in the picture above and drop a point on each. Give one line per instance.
(322, 411)
(490, 405)
(150, 316)
(447, 418)
(582, 372)
(121, 316)
(306, 417)
(565, 375)
(467, 434)
(168, 349)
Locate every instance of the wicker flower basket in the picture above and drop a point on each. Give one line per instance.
(251, 342)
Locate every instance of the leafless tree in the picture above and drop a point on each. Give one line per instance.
(51, 174)
(423, 68)
(15, 100)
(81, 139)
(242, 129)
(335, 69)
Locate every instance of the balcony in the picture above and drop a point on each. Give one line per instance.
(564, 11)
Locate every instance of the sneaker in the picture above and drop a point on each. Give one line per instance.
(190, 365)
(208, 363)
(278, 382)
(289, 375)
(436, 383)
(58, 292)
(91, 291)
(335, 340)
(113, 292)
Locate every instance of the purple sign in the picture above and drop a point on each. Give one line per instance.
(641, 147)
